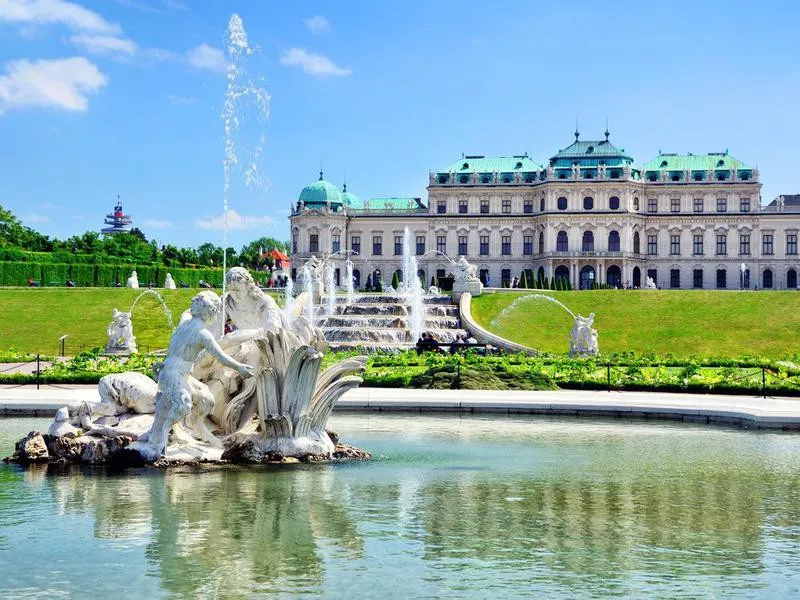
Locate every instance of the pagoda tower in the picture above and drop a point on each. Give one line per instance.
(117, 220)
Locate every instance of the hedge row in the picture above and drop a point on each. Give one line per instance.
(18, 274)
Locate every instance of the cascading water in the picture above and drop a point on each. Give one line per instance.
(416, 302)
(164, 307)
(288, 295)
(330, 288)
(308, 288)
(349, 283)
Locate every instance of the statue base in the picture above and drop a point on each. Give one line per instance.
(460, 287)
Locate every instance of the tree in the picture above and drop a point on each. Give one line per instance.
(395, 280)
(136, 232)
(523, 279)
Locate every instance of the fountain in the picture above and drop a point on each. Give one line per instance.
(349, 283)
(119, 333)
(330, 287)
(288, 296)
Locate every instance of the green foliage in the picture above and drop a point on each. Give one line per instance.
(523, 279)
(18, 273)
(395, 280)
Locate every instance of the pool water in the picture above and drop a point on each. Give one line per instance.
(458, 507)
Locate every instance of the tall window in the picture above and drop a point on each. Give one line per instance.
(722, 205)
(541, 242)
(355, 244)
(462, 245)
(441, 244)
(377, 245)
(613, 241)
(505, 277)
(674, 278)
(562, 203)
(675, 205)
(420, 245)
(562, 242)
(506, 206)
(722, 244)
(505, 245)
(541, 205)
(698, 205)
(791, 243)
(697, 278)
(527, 206)
(766, 244)
(336, 242)
(588, 203)
(744, 205)
(766, 280)
(587, 244)
(484, 245)
(722, 279)
(697, 244)
(744, 243)
(675, 245)
(398, 245)
(441, 207)
(484, 207)
(652, 244)
(652, 205)
(294, 243)
(613, 203)
(313, 242)
(636, 247)
(527, 245)
(635, 204)
(462, 207)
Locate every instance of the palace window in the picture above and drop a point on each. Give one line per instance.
(377, 245)
(506, 206)
(653, 274)
(675, 205)
(440, 273)
(722, 205)
(588, 203)
(441, 207)
(766, 280)
(420, 245)
(587, 244)
(744, 243)
(791, 243)
(722, 279)
(613, 241)
(766, 244)
(722, 244)
(462, 245)
(541, 205)
(484, 207)
(652, 245)
(505, 245)
(635, 204)
(313, 242)
(674, 278)
(441, 244)
(462, 207)
(355, 244)
(527, 207)
(636, 246)
(562, 242)
(484, 245)
(336, 243)
(698, 205)
(527, 245)
(562, 203)
(697, 278)
(505, 277)
(697, 244)
(294, 243)
(744, 205)
(652, 205)
(541, 243)
(398, 245)
(675, 245)
(613, 203)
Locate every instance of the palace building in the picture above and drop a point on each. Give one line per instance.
(589, 214)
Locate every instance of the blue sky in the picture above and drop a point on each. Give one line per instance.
(107, 97)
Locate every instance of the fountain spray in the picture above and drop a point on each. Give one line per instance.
(351, 292)
(331, 290)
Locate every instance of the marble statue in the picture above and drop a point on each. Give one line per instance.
(650, 284)
(316, 267)
(464, 271)
(120, 334)
(433, 290)
(126, 392)
(583, 337)
(61, 426)
(133, 281)
(247, 306)
(169, 282)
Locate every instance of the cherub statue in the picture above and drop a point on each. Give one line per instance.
(120, 332)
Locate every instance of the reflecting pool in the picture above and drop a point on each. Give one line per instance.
(450, 507)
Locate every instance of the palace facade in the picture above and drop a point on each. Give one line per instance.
(589, 215)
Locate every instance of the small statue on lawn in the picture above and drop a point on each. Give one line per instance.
(120, 334)
(583, 337)
(133, 281)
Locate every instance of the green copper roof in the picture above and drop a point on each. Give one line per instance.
(492, 164)
(392, 204)
(590, 153)
(693, 162)
(320, 192)
(350, 199)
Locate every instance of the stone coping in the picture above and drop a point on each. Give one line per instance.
(744, 411)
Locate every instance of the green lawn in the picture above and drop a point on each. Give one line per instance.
(681, 322)
(32, 319)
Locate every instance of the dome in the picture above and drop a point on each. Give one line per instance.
(320, 192)
(349, 199)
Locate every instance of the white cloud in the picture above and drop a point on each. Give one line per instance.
(313, 64)
(159, 8)
(35, 218)
(60, 83)
(235, 221)
(48, 12)
(101, 44)
(208, 58)
(317, 24)
(157, 224)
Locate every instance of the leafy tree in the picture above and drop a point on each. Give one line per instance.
(523, 279)
(395, 280)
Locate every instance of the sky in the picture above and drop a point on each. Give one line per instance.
(100, 98)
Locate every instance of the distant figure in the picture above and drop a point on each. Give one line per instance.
(470, 341)
(422, 343)
(456, 345)
(70, 283)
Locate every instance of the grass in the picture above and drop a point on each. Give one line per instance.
(682, 323)
(32, 319)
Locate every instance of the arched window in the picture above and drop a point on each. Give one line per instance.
(588, 241)
(637, 277)
(588, 203)
(767, 279)
(614, 276)
(636, 242)
(791, 279)
(562, 203)
(541, 243)
(635, 204)
(356, 278)
(562, 242)
(587, 277)
(541, 205)
(562, 274)
(613, 241)
(613, 203)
